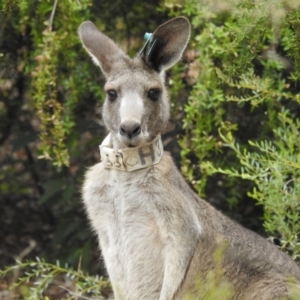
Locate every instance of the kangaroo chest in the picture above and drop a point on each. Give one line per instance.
(144, 224)
(129, 211)
(131, 232)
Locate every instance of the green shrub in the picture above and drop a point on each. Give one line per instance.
(241, 118)
(33, 280)
(241, 79)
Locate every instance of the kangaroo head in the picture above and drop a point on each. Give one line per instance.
(136, 107)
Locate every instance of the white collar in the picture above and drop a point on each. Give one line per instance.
(130, 159)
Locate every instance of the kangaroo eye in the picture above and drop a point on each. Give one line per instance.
(112, 95)
(153, 94)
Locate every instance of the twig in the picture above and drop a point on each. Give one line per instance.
(76, 294)
(52, 15)
(19, 258)
(78, 270)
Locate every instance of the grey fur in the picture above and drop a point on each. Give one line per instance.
(157, 237)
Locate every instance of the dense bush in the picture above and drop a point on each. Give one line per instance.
(242, 113)
(235, 109)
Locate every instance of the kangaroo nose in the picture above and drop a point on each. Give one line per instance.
(130, 129)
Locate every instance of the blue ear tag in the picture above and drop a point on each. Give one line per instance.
(151, 44)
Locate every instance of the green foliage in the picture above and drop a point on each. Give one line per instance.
(53, 30)
(213, 285)
(50, 83)
(274, 166)
(39, 275)
(241, 79)
(241, 115)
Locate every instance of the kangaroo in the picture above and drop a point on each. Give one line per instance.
(157, 237)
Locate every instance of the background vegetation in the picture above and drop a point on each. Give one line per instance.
(235, 112)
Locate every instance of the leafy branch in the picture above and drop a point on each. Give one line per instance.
(42, 275)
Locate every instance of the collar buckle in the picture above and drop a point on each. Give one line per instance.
(111, 158)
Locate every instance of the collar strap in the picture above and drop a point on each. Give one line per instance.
(130, 159)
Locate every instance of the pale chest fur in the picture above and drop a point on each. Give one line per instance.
(128, 211)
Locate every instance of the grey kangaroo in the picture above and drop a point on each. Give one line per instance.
(157, 237)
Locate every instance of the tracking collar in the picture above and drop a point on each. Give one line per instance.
(130, 159)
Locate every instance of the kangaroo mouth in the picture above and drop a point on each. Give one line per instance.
(131, 143)
(134, 142)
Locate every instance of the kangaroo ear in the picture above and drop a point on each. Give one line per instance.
(101, 48)
(167, 44)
